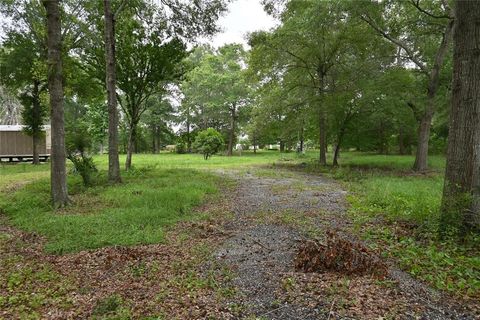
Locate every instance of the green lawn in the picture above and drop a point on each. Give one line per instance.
(196, 161)
(392, 162)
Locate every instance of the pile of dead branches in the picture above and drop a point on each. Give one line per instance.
(339, 254)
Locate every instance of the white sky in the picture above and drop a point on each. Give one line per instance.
(243, 16)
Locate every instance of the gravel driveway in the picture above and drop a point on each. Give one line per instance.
(261, 251)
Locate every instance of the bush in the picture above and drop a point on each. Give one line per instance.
(208, 142)
(180, 148)
(78, 142)
(83, 165)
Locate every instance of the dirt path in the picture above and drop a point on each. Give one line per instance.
(273, 211)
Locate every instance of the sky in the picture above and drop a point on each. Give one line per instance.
(243, 16)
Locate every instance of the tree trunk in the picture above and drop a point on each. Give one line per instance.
(282, 146)
(231, 137)
(35, 143)
(421, 158)
(401, 142)
(55, 86)
(113, 160)
(37, 118)
(154, 140)
(130, 146)
(157, 141)
(322, 137)
(301, 138)
(460, 210)
(337, 146)
(189, 139)
(336, 154)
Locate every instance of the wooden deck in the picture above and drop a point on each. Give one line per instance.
(22, 158)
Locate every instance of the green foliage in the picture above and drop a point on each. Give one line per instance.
(159, 114)
(216, 90)
(295, 96)
(180, 148)
(208, 142)
(78, 144)
(83, 165)
(96, 119)
(110, 307)
(34, 114)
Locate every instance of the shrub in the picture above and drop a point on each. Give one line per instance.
(78, 142)
(83, 165)
(180, 148)
(208, 142)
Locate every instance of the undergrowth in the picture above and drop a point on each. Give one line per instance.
(397, 211)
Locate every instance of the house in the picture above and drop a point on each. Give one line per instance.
(16, 145)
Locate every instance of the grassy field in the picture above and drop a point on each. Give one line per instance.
(159, 191)
(392, 208)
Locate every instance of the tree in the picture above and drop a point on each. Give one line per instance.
(423, 34)
(218, 90)
(24, 56)
(319, 55)
(147, 64)
(55, 88)
(34, 114)
(159, 113)
(461, 195)
(23, 67)
(113, 161)
(149, 42)
(208, 142)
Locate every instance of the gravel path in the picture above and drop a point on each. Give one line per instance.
(261, 252)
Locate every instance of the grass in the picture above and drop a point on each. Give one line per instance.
(196, 161)
(397, 212)
(387, 162)
(411, 199)
(13, 176)
(135, 212)
(392, 208)
(160, 191)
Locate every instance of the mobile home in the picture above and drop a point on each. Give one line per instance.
(16, 145)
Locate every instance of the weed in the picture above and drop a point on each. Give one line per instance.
(110, 307)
